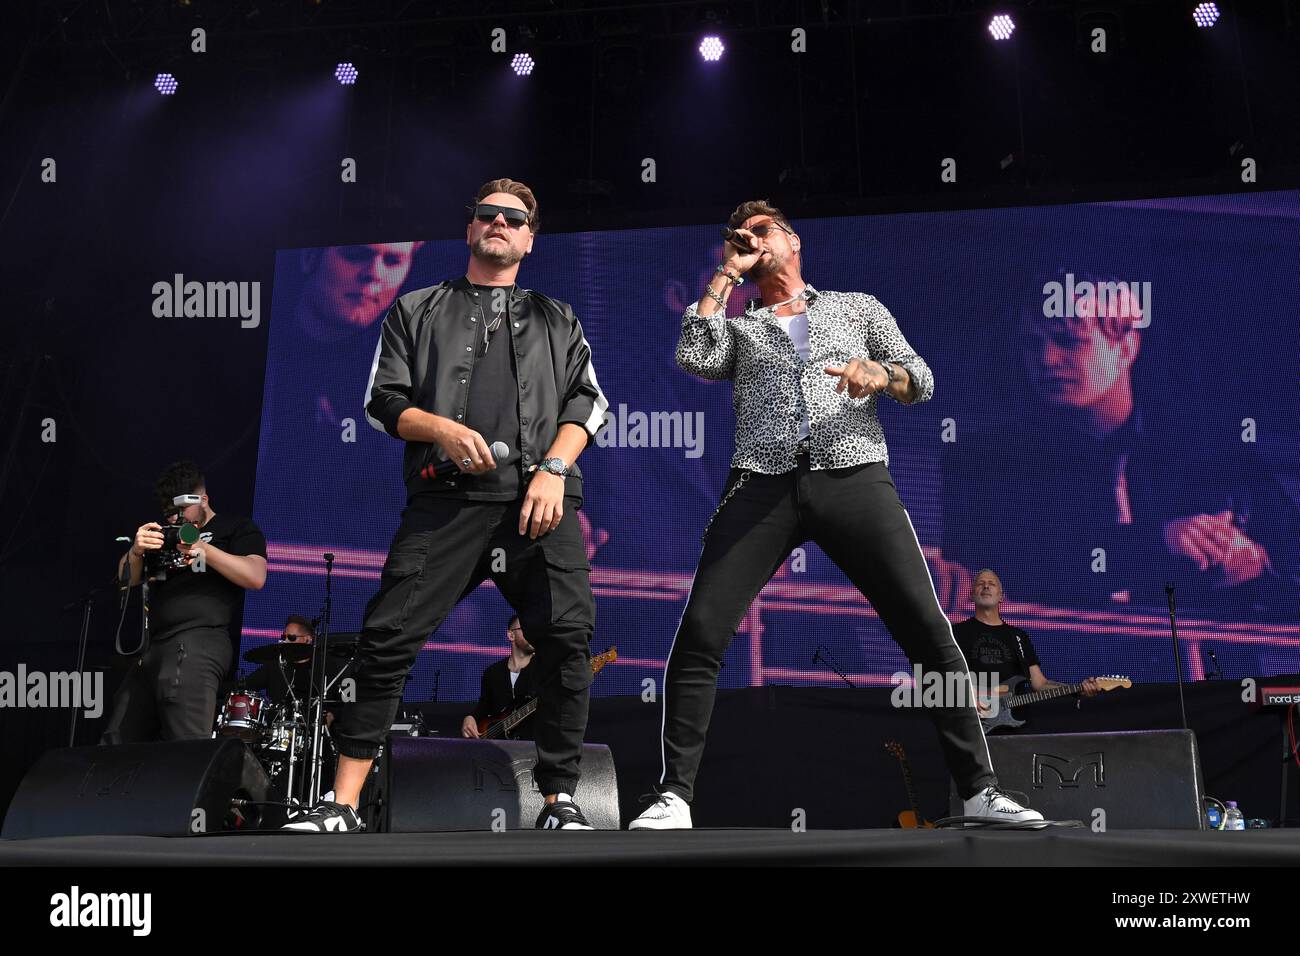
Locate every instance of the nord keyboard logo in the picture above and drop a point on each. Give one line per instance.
(1068, 770)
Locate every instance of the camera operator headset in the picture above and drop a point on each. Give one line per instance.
(194, 567)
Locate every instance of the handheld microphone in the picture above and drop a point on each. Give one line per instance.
(739, 241)
(443, 469)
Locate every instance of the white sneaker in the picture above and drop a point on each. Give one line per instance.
(668, 811)
(994, 805)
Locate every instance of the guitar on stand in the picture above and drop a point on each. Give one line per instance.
(500, 727)
(908, 819)
(1009, 698)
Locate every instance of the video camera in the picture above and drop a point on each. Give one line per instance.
(175, 532)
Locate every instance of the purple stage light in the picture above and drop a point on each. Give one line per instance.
(1206, 14)
(1002, 26)
(522, 64)
(165, 84)
(345, 73)
(711, 49)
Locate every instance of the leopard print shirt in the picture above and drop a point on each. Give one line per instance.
(772, 384)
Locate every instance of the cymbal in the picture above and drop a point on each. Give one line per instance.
(280, 651)
(344, 643)
(342, 648)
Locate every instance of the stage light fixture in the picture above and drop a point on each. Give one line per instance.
(165, 84)
(345, 73)
(1002, 26)
(522, 64)
(1206, 14)
(711, 49)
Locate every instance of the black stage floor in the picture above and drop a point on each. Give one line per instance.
(1065, 847)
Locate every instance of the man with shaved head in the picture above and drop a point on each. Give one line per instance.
(997, 650)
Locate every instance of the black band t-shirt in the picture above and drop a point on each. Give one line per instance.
(188, 599)
(995, 649)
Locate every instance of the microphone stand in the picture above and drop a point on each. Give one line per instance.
(818, 659)
(320, 651)
(1178, 663)
(87, 602)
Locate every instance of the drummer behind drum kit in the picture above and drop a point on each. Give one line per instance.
(280, 732)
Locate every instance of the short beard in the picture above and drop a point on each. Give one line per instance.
(768, 266)
(507, 258)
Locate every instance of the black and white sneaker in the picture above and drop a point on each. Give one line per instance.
(563, 814)
(326, 817)
(994, 805)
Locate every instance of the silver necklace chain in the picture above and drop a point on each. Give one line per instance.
(491, 327)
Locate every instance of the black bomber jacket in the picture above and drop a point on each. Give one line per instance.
(425, 358)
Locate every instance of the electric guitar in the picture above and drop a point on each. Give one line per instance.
(908, 819)
(499, 727)
(1008, 698)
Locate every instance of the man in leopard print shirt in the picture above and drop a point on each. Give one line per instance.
(810, 463)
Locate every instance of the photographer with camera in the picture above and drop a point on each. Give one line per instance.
(198, 564)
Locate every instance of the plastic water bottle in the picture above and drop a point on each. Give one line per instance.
(1233, 819)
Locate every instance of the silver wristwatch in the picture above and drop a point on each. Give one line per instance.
(554, 466)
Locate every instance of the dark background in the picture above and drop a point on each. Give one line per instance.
(245, 159)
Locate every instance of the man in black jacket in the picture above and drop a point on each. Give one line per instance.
(460, 366)
(507, 684)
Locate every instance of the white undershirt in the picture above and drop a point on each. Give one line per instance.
(514, 677)
(796, 326)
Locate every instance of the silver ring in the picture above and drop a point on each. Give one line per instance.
(465, 462)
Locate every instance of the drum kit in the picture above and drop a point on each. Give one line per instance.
(280, 731)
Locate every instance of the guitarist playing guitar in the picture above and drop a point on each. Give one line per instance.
(506, 684)
(507, 697)
(994, 647)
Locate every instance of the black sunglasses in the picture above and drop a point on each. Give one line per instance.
(486, 212)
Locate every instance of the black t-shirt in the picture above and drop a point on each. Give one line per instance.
(1001, 649)
(187, 598)
(492, 406)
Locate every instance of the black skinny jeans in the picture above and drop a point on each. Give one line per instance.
(855, 516)
(444, 548)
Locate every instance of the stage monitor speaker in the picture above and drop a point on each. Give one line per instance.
(1142, 779)
(173, 788)
(436, 783)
